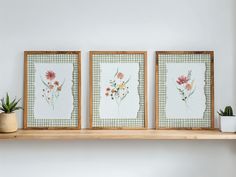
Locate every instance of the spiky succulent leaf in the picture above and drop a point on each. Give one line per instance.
(7, 100)
(14, 105)
(220, 112)
(2, 101)
(4, 106)
(228, 111)
(9, 106)
(1, 109)
(16, 108)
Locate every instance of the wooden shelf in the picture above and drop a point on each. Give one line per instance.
(117, 134)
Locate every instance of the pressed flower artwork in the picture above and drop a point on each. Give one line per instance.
(185, 90)
(119, 90)
(185, 86)
(53, 90)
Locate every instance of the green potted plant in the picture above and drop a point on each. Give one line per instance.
(8, 121)
(227, 120)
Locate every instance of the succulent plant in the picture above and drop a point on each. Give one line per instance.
(227, 112)
(8, 106)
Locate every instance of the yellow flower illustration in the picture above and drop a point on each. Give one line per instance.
(121, 86)
(118, 88)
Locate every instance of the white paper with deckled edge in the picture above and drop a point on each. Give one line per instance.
(63, 106)
(129, 106)
(196, 104)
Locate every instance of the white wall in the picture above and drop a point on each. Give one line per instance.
(118, 25)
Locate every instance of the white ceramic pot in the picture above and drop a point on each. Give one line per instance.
(228, 124)
(8, 122)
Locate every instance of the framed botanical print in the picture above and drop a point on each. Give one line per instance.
(118, 90)
(184, 90)
(52, 92)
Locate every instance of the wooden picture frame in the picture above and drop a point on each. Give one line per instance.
(164, 57)
(114, 58)
(34, 61)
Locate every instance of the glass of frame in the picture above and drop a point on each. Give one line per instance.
(118, 90)
(184, 90)
(52, 82)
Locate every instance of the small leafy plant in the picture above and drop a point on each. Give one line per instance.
(8, 106)
(227, 112)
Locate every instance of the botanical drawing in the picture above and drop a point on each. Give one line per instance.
(185, 90)
(52, 88)
(186, 86)
(118, 88)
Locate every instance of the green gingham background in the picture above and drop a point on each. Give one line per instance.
(98, 122)
(164, 122)
(51, 58)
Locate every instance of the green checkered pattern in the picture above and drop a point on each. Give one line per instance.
(164, 122)
(51, 58)
(98, 122)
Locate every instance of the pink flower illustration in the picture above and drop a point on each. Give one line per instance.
(186, 86)
(52, 88)
(59, 88)
(182, 80)
(50, 75)
(118, 88)
(120, 75)
(56, 83)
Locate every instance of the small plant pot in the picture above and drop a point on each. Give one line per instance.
(228, 124)
(8, 122)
